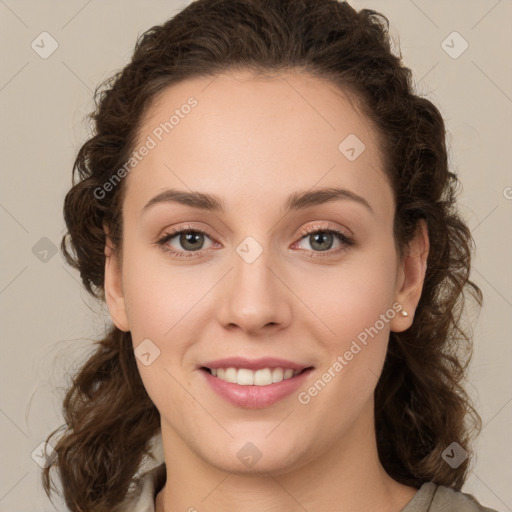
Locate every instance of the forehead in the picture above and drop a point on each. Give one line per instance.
(257, 137)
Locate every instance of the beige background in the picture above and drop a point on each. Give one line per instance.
(47, 319)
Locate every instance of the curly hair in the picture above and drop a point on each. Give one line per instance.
(421, 406)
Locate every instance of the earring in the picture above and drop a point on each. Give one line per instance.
(404, 313)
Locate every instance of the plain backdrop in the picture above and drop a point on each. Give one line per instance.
(48, 321)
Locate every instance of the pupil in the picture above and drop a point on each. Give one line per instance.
(322, 236)
(189, 239)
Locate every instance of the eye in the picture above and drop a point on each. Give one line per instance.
(190, 239)
(322, 238)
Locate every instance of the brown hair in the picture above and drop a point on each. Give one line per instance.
(420, 404)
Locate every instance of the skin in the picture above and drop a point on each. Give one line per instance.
(253, 141)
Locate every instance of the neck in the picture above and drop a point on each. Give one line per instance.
(341, 478)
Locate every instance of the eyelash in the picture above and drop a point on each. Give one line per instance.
(342, 237)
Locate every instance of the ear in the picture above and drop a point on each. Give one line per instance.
(114, 294)
(410, 278)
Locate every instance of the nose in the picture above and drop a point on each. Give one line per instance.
(254, 296)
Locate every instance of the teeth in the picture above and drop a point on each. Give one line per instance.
(245, 377)
(277, 375)
(263, 377)
(230, 375)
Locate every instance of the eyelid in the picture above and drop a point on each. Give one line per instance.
(172, 231)
(318, 226)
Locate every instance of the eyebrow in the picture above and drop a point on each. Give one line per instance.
(297, 201)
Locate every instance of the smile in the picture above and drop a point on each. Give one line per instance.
(254, 384)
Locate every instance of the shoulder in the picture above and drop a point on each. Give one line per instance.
(439, 498)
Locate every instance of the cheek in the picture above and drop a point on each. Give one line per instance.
(351, 296)
(164, 304)
(356, 305)
(158, 298)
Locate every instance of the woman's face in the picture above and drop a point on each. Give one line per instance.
(248, 288)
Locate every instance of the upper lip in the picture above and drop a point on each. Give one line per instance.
(254, 364)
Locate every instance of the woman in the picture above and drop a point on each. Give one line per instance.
(266, 208)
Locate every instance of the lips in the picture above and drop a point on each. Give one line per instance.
(254, 383)
(255, 364)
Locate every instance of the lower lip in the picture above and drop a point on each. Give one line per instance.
(255, 397)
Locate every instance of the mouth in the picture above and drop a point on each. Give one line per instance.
(254, 384)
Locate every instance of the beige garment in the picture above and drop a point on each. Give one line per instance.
(438, 498)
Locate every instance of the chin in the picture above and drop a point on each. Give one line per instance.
(256, 455)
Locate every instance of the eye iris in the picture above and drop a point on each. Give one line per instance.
(187, 238)
(322, 236)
